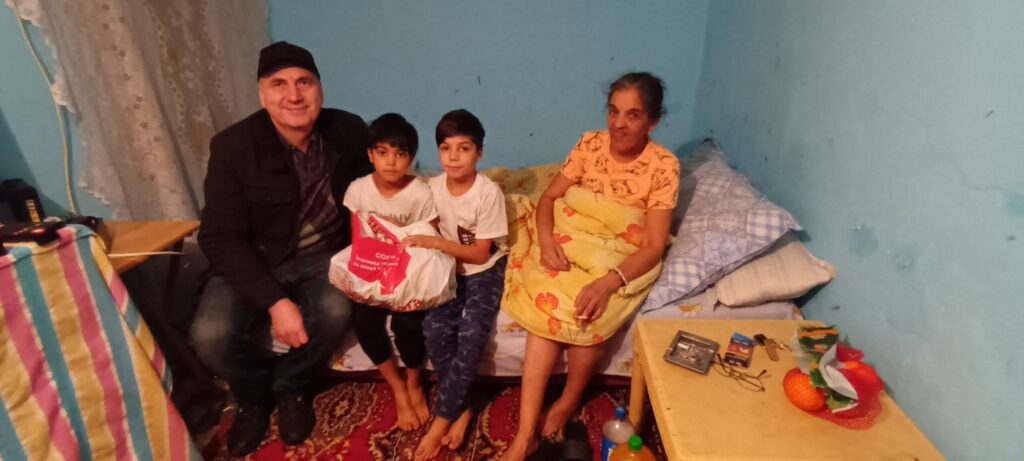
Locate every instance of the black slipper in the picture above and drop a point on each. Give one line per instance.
(575, 446)
(546, 451)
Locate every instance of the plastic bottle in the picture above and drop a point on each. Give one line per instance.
(633, 450)
(615, 432)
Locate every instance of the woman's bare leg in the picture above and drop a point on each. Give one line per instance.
(581, 363)
(541, 354)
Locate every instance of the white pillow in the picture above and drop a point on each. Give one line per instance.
(786, 271)
(726, 223)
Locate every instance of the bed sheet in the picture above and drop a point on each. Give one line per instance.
(504, 354)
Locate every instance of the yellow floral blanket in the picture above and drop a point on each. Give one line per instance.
(596, 234)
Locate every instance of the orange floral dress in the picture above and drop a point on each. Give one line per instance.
(598, 223)
(650, 181)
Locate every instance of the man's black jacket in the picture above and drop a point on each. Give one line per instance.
(250, 221)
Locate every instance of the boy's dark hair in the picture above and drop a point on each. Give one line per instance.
(460, 122)
(652, 91)
(393, 129)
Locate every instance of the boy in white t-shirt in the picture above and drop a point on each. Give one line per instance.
(473, 226)
(393, 194)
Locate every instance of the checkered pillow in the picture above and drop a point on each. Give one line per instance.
(726, 223)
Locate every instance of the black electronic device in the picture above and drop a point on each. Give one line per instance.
(41, 233)
(23, 201)
(98, 226)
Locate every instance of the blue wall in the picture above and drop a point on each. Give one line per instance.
(30, 143)
(534, 71)
(893, 131)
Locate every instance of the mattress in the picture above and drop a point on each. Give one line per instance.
(83, 376)
(505, 351)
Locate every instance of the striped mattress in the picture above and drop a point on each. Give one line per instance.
(81, 376)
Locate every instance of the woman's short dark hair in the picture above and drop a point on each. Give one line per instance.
(651, 88)
(393, 129)
(460, 122)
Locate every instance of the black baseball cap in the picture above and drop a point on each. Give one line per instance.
(279, 55)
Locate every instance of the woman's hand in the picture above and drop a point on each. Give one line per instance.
(422, 241)
(551, 255)
(592, 300)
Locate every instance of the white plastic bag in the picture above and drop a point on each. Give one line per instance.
(377, 272)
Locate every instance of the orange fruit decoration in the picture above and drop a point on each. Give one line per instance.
(800, 392)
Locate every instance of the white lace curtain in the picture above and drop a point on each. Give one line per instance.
(150, 81)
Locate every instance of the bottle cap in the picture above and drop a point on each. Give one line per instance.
(620, 413)
(635, 443)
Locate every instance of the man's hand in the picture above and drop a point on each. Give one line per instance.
(286, 323)
(551, 255)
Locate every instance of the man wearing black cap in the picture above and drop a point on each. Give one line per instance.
(269, 319)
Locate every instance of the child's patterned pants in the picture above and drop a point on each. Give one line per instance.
(457, 332)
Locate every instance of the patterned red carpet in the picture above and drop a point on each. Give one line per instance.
(356, 421)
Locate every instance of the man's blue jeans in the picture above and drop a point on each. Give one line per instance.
(233, 337)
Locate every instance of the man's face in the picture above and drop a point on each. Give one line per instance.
(293, 98)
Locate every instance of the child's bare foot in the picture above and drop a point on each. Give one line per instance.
(520, 448)
(556, 417)
(431, 443)
(417, 398)
(398, 382)
(457, 432)
(407, 419)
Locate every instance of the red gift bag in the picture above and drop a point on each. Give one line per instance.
(375, 270)
(377, 260)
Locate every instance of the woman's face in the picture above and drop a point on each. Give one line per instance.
(628, 122)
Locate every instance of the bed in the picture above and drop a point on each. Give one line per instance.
(504, 354)
(733, 256)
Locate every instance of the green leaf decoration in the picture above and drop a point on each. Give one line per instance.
(838, 402)
(817, 380)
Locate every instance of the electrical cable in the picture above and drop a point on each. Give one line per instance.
(73, 207)
(145, 253)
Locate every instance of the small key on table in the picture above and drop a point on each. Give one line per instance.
(770, 345)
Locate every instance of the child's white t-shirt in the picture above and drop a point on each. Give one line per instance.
(412, 204)
(477, 214)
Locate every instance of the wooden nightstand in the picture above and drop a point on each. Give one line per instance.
(713, 417)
